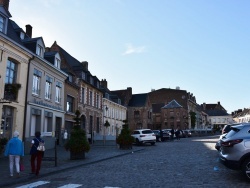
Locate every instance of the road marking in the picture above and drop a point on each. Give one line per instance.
(35, 184)
(71, 186)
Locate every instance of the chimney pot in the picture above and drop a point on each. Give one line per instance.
(5, 4)
(29, 30)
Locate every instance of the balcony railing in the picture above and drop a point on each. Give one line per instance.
(11, 91)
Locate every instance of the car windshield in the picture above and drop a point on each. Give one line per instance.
(147, 132)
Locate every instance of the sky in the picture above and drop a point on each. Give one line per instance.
(201, 46)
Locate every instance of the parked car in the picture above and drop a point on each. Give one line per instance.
(187, 133)
(224, 131)
(235, 148)
(165, 135)
(143, 136)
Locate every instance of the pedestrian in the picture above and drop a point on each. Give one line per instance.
(161, 135)
(172, 134)
(36, 156)
(177, 133)
(14, 149)
(65, 136)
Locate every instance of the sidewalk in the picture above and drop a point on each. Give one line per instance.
(97, 153)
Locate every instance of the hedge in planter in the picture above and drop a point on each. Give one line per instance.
(77, 144)
(124, 139)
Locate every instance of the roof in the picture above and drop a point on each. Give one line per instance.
(156, 108)
(172, 104)
(138, 100)
(216, 112)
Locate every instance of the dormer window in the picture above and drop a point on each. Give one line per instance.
(1, 24)
(70, 78)
(57, 63)
(97, 84)
(91, 81)
(39, 50)
(83, 75)
(22, 35)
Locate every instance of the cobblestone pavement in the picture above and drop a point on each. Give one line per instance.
(190, 162)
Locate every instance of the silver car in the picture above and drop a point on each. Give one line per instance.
(235, 148)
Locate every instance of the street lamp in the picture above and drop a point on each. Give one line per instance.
(104, 132)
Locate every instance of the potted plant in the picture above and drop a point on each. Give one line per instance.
(124, 139)
(77, 144)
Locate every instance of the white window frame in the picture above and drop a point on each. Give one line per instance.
(48, 86)
(36, 85)
(58, 94)
(57, 63)
(39, 50)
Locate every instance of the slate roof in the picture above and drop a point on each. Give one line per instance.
(138, 100)
(156, 108)
(172, 104)
(70, 59)
(216, 113)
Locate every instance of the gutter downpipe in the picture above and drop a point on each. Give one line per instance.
(26, 95)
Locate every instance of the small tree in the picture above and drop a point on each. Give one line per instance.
(124, 139)
(77, 142)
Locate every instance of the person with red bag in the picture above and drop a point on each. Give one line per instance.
(14, 149)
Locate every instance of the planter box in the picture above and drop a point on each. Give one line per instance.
(125, 146)
(76, 156)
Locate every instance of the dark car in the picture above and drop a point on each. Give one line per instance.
(187, 133)
(165, 135)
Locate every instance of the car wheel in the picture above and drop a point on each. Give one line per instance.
(246, 168)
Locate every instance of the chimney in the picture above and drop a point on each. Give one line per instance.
(204, 106)
(104, 83)
(29, 30)
(5, 4)
(85, 65)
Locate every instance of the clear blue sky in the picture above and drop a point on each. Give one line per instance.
(202, 46)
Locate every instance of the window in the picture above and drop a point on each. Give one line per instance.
(36, 82)
(90, 98)
(83, 95)
(136, 114)
(11, 72)
(48, 85)
(106, 95)
(70, 101)
(22, 35)
(97, 101)
(70, 78)
(91, 81)
(58, 92)
(57, 63)
(1, 24)
(39, 50)
(83, 75)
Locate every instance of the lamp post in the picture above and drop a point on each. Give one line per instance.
(104, 132)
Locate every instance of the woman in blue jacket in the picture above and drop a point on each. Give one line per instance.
(14, 149)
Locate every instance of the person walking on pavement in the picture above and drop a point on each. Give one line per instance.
(172, 134)
(177, 133)
(161, 135)
(65, 136)
(14, 149)
(35, 154)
